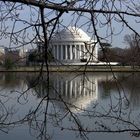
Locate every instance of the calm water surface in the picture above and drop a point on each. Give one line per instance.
(31, 108)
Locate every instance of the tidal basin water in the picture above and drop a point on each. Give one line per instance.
(71, 106)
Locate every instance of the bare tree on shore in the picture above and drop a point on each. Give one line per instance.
(22, 22)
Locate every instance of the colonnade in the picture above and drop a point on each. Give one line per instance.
(71, 51)
(76, 88)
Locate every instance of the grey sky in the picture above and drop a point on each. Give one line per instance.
(68, 19)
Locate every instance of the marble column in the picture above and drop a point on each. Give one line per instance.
(80, 52)
(84, 51)
(71, 53)
(62, 52)
(77, 48)
(75, 52)
(66, 52)
(57, 52)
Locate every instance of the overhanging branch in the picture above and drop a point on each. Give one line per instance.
(59, 7)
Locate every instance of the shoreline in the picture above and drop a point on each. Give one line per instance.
(70, 68)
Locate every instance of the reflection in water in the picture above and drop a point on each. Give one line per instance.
(94, 99)
(79, 90)
(10, 80)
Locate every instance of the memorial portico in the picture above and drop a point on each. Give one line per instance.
(73, 45)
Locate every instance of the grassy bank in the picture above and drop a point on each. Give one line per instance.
(66, 68)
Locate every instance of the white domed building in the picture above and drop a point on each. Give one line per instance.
(73, 45)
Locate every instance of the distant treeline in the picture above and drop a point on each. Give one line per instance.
(127, 56)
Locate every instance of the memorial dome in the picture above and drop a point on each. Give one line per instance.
(71, 34)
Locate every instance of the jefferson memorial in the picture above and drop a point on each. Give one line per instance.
(73, 45)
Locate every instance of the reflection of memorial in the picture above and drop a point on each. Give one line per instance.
(79, 91)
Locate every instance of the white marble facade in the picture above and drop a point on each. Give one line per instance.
(73, 45)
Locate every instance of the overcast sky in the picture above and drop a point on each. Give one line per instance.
(68, 19)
